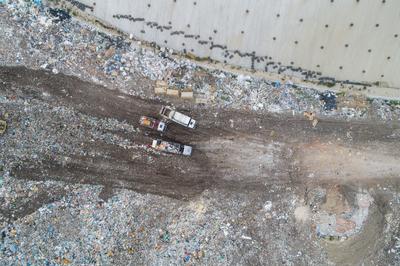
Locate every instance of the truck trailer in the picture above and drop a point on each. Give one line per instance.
(177, 117)
(171, 147)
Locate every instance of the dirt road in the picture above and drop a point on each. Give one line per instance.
(233, 150)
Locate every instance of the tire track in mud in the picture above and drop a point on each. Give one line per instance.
(177, 176)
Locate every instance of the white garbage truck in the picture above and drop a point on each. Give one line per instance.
(177, 117)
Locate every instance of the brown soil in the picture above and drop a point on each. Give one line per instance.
(253, 152)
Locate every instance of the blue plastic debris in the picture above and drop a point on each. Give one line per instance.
(59, 14)
(13, 248)
(165, 237)
(329, 99)
(51, 231)
(276, 84)
(117, 57)
(37, 2)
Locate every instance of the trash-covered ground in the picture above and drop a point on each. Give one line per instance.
(279, 174)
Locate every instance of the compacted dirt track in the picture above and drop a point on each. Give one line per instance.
(233, 149)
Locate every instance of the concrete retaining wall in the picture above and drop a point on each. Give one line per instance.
(347, 40)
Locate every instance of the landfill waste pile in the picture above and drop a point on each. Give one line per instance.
(279, 173)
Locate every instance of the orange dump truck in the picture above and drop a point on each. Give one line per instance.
(153, 123)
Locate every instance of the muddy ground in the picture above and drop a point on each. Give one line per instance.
(235, 153)
(230, 147)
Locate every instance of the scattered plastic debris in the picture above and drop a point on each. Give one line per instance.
(268, 206)
(276, 84)
(329, 99)
(309, 115)
(314, 122)
(3, 126)
(166, 237)
(60, 14)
